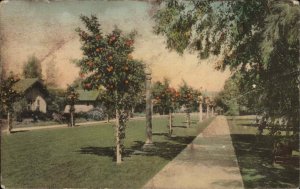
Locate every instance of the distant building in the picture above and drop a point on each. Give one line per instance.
(87, 100)
(34, 92)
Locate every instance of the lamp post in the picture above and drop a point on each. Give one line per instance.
(200, 99)
(213, 104)
(148, 108)
(207, 102)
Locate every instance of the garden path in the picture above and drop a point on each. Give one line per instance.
(209, 162)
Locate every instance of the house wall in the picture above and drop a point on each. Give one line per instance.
(36, 100)
(80, 108)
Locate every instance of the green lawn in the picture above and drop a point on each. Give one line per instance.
(255, 158)
(82, 157)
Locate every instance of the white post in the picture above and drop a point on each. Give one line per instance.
(207, 111)
(9, 123)
(118, 154)
(200, 112)
(170, 123)
(148, 109)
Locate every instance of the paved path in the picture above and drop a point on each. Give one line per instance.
(209, 162)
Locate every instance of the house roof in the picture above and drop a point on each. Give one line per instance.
(24, 84)
(88, 95)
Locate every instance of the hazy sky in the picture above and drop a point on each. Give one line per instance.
(47, 30)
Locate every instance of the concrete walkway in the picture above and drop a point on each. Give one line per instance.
(209, 162)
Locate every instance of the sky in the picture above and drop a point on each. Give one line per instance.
(47, 30)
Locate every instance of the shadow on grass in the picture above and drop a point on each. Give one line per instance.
(19, 131)
(167, 150)
(250, 124)
(255, 162)
(179, 126)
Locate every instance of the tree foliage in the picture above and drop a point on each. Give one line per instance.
(7, 94)
(259, 40)
(165, 97)
(108, 63)
(32, 68)
(188, 97)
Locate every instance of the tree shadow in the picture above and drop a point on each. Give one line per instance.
(160, 134)
(166, 150)
(103, 151)
(228, 183)
(255, 160)
(250, 124)
(179, 126)
(183, 139)
(19, 131)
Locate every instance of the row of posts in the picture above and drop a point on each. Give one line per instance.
(149, 110)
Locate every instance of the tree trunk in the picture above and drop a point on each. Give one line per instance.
(107, 118)
(200, 113)
(9, 122)
(207, 112)
(188, 119)
(118, 142)
(132, 111)
(212, 111)
(72, 119)
(170, 123)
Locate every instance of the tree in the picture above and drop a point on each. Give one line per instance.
(32, 68)
(162, 96)
(165, 98)
(107, 62)
(188, 98)
(228, 98)
(258, 39)
(51, 74)
(8, 96)
(71, 98)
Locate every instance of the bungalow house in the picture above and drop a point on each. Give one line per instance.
(87, 100)
(34, 92)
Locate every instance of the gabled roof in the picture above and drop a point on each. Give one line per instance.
(24, 84)
(88, 95)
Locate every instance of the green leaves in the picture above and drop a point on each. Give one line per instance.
(8, 95)
(108, 61)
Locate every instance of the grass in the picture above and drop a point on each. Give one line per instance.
(45, 123)
(82, 157)
(255, 158)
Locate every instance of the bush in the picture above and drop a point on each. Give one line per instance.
(96, 114)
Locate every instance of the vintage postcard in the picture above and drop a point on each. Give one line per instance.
(156, 94)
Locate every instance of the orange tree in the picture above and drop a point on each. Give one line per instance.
(166, 99)
(107, 62)
(188, 98)
(164, 96)
(8, 96)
